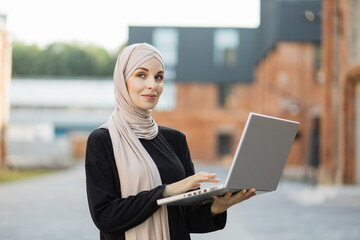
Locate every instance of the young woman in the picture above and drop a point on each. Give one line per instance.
(131, 162)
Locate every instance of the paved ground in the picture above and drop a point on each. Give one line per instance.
(54, 207)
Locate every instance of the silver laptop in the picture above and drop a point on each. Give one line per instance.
(258, 162)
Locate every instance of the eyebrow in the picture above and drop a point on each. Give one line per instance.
(145, 69)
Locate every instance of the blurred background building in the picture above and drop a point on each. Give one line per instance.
(221, 74)
(5, 76)
(340, 127)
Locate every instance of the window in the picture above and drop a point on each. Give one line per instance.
(225, 91)
(319, 78)
(226, 44)
(167, 41)
(317, 57)
(225, 142)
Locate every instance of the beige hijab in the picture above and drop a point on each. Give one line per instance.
(137, 171)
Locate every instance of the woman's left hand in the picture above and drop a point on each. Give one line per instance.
(221, 204)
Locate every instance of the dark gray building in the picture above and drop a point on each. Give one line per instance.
(229, 55)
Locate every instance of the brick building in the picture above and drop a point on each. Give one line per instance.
(223, 74)
(5, 76)
(212, 74)
(340, 131)
(288, 78)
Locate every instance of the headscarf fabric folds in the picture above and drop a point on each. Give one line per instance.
(127, 124)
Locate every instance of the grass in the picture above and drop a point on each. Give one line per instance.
(19, 174)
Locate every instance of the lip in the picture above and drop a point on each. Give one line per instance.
(149, 96)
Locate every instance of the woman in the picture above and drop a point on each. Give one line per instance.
(131, 162)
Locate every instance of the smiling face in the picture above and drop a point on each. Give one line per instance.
(145, 85)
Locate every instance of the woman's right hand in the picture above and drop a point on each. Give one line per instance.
(189, 183)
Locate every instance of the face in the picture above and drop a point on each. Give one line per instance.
(145, 85)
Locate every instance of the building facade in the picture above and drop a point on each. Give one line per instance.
(210, 69)
(5, 76)
(340, 130)
(288, 79)
(222, 74)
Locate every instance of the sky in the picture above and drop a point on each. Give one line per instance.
(105, 22)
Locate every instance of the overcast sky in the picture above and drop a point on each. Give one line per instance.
(105, 22)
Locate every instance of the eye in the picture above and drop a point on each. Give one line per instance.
(141, 75)
(159, 77)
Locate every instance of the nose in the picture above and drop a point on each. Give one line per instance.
(151, 83)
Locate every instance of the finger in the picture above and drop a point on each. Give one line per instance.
(205, 179)
(227, 196)
(213, 180)
(206, 174)
(252, 195)
(240, 193)
(250, 192)
(244, 195)
(196, 185)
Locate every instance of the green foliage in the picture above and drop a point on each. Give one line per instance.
(62, 59)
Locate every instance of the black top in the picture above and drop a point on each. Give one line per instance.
(114, 215)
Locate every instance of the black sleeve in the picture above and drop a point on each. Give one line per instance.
(110, 212)
(199, 217)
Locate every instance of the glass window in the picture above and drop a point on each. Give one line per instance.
(225, 141)
(226, 45)
(318, 52)
(224, 91)
(167, 41)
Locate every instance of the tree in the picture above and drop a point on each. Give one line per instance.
(62, 59)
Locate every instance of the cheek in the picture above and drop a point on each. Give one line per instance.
(133, 86)
(160, 88)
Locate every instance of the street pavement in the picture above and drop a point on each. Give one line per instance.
(54, 207)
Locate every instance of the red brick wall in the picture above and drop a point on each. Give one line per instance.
(200, 118)
(286, 87)
(341, 70)
(286, 75)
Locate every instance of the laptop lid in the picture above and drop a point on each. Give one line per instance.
(262, 153)
(258, 162)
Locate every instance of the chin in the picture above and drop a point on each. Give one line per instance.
(148, 107)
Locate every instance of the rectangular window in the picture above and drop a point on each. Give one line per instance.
(167, 41)
(225, 90)
(318, 57)
(319, 78)
(225, 142)
(226, 46)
